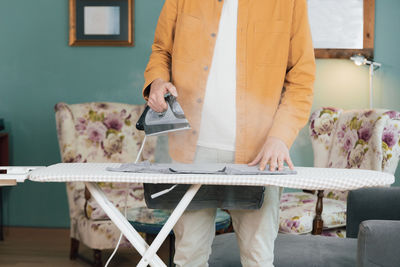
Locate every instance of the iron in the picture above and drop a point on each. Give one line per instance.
(171, 120)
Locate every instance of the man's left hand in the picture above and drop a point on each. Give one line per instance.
(274, 152)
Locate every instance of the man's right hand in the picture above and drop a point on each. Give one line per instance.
(158, 89)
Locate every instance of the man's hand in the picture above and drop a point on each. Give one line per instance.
(158, 89)
(274, 152)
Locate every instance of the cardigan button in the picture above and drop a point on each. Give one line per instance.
(213, 34)
(199, 100)
(205, 68)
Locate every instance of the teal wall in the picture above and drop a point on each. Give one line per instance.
(39, 69)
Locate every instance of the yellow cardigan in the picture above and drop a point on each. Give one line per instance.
(275, 69)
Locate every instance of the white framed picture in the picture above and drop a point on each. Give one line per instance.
(101, 23)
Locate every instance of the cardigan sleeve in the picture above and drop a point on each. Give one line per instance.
(159, 65)
(297, 95)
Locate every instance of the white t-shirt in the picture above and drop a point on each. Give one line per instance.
(218, 121)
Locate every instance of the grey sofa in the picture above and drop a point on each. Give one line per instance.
(373, 237)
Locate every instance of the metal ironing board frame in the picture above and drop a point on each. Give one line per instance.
(91, 173)
(148, 253)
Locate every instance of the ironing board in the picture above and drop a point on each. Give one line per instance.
(91, 173)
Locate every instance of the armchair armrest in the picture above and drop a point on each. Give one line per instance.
(378, 243)
(371, 204)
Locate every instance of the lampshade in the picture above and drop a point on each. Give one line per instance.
(359, 60)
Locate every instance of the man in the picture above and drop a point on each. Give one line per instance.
(243, 72)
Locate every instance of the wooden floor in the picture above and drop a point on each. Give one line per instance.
(31, 247)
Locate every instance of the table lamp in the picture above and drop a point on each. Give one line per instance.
(360, 60)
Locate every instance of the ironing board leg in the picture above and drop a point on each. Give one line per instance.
(170, 223)
(122, 223)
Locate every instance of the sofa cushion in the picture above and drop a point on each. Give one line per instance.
(298, 212)
(291, 250)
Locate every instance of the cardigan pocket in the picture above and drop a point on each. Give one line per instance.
(271, 40)
(186, 41)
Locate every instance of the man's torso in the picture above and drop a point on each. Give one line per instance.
(263, 35)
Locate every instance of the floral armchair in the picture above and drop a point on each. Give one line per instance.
(101, 132)
(362, 139)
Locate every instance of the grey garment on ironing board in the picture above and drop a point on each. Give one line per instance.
(209, 196)
(202, 168)
(207, 161)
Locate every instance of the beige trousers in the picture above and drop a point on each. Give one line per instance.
(255, 230)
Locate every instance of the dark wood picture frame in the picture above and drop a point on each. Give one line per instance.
(368, 38)
(76, 37)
